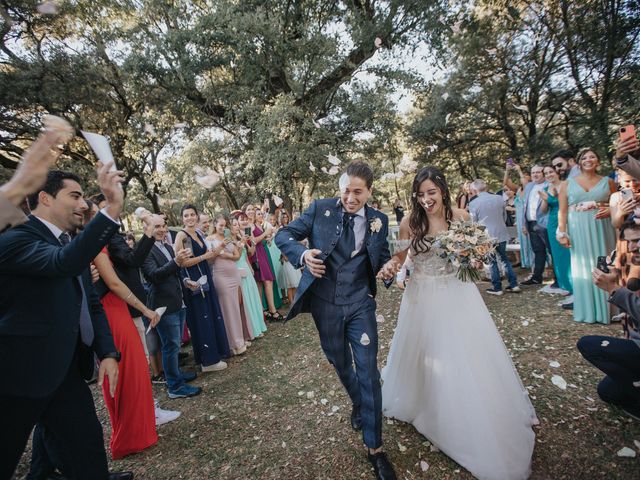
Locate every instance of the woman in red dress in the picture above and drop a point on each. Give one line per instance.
(131, 409)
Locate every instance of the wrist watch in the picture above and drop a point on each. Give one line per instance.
(115, 355)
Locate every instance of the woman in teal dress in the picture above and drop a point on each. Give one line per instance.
(584, 225)
(250, 294)
(561, 256)
(526, 253)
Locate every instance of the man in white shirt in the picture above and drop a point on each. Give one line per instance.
(536, 224)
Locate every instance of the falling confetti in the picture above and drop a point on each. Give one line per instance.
(491, 51)
(311, 167)
(149, 129)
(523, 108)
(334, 170)
(207, 178)
(456, 27)
(333, 160)
(48, 8)
(445, 95)
(277, 200)
(377, 42)
(446, 119)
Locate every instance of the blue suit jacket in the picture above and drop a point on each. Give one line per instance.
(321, 223)
(40, 300)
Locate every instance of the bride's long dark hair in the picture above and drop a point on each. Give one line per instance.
(418, 220)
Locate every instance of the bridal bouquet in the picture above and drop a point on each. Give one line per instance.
(465, 245)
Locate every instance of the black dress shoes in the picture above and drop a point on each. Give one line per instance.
(356, 419)
(121, 476)
(382, 466)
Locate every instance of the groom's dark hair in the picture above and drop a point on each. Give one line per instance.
(361, 170)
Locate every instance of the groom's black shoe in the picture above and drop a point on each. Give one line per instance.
(382, 466)
(356, 419)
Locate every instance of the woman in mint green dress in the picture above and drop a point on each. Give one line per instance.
(584, 225)
(250, 294)
(561, 256)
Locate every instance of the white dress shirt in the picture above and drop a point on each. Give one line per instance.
(534, 201)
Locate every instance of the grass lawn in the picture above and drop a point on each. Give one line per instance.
(279, 411)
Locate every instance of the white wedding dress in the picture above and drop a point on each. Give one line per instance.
(449, 374)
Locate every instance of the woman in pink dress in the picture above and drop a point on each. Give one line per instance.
(226, 277)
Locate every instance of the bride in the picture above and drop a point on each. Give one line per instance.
(448, 372)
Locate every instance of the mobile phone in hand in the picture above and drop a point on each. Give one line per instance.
(626, 194)
(510, 162)
(627, 132)
(247, 231)
(601, 264)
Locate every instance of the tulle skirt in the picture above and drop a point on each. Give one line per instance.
(449, 374)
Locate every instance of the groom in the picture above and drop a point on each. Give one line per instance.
(347, 247)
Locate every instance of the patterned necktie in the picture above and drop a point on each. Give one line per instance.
(86, 327)
(348, 232)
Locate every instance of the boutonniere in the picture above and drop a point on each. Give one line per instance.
(375, 225)
(327, 213)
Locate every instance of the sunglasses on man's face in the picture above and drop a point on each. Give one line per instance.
(557, 165)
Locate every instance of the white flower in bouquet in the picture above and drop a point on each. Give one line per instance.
(465, 245)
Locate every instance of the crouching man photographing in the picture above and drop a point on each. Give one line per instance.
(619, 358)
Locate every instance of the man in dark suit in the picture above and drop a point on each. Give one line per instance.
(347, 247)
(162, 270)
(51, 322)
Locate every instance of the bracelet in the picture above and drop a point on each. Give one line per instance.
(560, 235)
(128, 296)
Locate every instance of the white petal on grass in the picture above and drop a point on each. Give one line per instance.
(401, 447)
(559, 382)
(535, 375)
(324, 401)
(445, 95)
(311, 167)
(446, 119)
(626, 452)
(379, 318)
(335, 408)
(456, 27)
(554, 364)
(525, 323)
(424, 466)
(316, 124)
(377, 42)
(301, 393)
(311, 394)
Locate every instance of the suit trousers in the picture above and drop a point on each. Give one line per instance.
(540, 247)
(349, 333)
(620, 361)
(68, 415)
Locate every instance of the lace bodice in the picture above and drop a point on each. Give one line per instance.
(426, 264)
